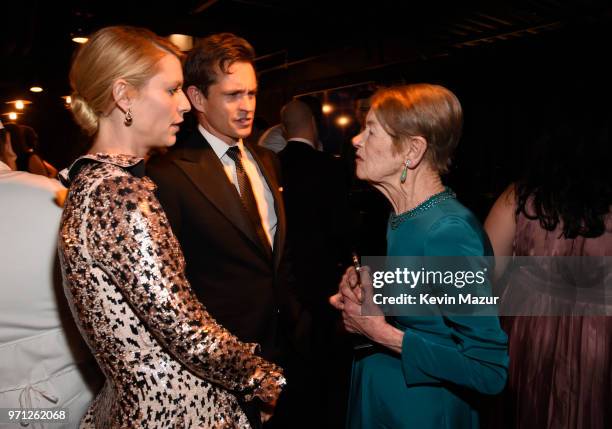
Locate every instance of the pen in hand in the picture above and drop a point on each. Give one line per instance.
(357, 266)
(360, 342)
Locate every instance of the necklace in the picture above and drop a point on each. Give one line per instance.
(434, 200)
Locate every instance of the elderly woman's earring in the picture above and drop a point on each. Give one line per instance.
(128, 118)
(405, 171)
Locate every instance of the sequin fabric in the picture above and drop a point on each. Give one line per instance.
(168, 364)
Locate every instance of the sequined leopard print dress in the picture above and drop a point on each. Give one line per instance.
(168, 364)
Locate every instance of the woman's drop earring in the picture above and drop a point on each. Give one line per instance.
(405, 171)
(128, 118)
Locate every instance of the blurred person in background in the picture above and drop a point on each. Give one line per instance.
(25, 145)
(44, 362)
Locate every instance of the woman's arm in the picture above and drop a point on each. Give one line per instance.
(373, 327)
(36, 165)
(476, 357)
(129, 237)
(500, 226)
(50, 169)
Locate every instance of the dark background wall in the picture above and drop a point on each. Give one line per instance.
(505, 60)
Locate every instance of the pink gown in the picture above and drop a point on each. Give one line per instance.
(560, 367)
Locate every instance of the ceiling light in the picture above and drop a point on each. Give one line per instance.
(67, 99)
(343, 120)
(327, 108)
(80, 39)
(183, 41)
(12, 116)
(36, 89)
(19, 104)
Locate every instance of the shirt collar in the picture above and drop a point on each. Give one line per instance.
(218, 145)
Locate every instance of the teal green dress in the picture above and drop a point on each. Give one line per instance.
(447, 362)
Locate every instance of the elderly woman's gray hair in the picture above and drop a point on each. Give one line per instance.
(429, 111)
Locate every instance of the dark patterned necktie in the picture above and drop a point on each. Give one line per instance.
(247, 196)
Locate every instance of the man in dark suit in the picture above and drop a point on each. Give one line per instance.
(316, 195)
(316, 201)
(222, 197)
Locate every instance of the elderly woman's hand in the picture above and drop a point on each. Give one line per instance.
(359, 300)
(348, 289)
(357, 293)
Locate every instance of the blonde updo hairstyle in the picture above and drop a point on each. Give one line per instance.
(425, 110)
(112, 53)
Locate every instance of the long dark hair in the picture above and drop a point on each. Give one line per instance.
(568, 180)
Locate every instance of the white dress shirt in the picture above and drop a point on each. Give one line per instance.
(263, 195)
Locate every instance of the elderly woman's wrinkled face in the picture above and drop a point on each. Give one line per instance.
(376, 159)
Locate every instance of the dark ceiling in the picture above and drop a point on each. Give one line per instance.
(320, 39)
(494, 54)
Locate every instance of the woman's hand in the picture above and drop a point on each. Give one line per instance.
(349, 288)
(267, 410)
(60, 197)
(358, 300)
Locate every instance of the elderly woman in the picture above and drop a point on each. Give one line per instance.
(422, 372)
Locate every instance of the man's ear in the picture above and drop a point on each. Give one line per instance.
(197, 99)
(123, 94)
(415, 150)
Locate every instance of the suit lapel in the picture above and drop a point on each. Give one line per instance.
(269, 172)
(202, 166)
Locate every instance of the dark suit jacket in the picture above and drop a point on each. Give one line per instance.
(316, 200)
(241, 283)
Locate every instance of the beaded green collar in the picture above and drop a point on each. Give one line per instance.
(434, 200)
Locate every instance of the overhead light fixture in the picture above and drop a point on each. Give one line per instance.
(19, 104)
(81, 23)
(327, 108)
(12, 115)
(36, 89)
(67, 99)
(79, 36)
(343, 120)
(183, 41)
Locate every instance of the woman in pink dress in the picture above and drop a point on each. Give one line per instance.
(561, 354)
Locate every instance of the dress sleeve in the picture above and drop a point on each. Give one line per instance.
(130, 239)
(476, 358)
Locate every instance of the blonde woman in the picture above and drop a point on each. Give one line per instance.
(167, 362)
